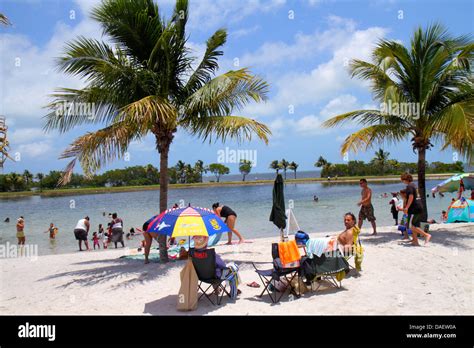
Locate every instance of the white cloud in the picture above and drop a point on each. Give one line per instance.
(35, 149)
(326, 80)
(211, 14)
(244, 31)
(312, 124)
(27, 135)
(28, 71)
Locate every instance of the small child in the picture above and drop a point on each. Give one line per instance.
(105, 241)
(95, 239)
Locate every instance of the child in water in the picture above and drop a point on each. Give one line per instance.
(95, 239)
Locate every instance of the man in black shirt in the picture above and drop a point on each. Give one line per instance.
(413, 210)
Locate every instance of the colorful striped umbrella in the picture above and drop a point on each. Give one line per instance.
(187, 222)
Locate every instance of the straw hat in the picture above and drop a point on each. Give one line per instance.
(200, 242)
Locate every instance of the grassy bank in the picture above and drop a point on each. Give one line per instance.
(98, 190)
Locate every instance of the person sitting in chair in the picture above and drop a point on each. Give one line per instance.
(346, 237)
(222, 269)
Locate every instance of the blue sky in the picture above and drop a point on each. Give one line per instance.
(300, 47)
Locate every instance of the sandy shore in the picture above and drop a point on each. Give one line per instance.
(396, 279)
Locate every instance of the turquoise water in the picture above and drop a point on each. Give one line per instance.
(252, 204)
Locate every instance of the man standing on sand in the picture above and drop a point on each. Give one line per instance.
(413, 210)
(81, 231)
(366, 207)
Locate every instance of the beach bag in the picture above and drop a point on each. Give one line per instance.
(188, 292)
(289, 254)
(301, 238)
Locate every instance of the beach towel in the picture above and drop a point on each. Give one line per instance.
(231, 275)
(289, 253)
(318, 246)
(188, 292)
(358, 250)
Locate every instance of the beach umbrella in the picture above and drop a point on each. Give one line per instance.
(277, 216)
(452, 184)
(187, 222)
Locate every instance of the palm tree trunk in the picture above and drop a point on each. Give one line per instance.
(163, 142)
(421, 182)
(295, 174)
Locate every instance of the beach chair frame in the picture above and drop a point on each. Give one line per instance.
(206, 270)
(270, 275)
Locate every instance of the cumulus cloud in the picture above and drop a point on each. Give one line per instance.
(299, 89)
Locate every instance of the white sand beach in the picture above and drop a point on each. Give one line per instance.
(396, 279)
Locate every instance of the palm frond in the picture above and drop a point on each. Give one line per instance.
(369, 136)
(223, 127)
(96, 149)
(209, 63)
(4, 19)
(223, 94)
(148, 113)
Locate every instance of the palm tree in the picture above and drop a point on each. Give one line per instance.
(324, 164)
(200, 168)
(181, 171)
(14, 181)
(293, 166)
(245, 166)
(321, 162)
(433, 76)
(4, 19)
(40, 177)
(145, 84)
(27, 177)
(284, 165)
(380, 159)
(275, 165)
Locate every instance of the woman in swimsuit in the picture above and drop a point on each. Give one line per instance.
(230, 217)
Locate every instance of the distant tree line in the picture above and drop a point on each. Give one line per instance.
(181, 173)
(381, 164)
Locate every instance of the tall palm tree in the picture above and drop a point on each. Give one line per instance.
(433, 74)
(380, 159)
(284, 165)
(144, 83)
(293, 166)
(4, 19)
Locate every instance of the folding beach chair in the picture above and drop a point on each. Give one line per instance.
(278, 273)
(204, 263)
(327, 268)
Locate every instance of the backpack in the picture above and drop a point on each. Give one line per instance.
(301, 238)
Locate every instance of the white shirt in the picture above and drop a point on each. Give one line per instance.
(81, 225)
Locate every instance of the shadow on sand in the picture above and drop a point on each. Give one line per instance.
(112, 269)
